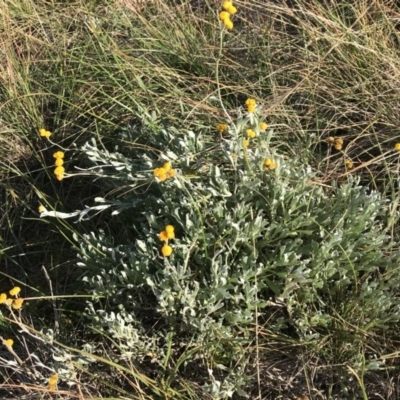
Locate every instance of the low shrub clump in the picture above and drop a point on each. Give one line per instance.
(209, 249)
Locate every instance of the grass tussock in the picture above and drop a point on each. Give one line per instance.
(279, 277)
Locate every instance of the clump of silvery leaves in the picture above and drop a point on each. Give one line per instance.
(248, 241)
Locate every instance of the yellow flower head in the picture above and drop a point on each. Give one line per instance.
(58, 162)
(59, 170)
(222, 127)
(41, 208)
(224, 15)
(163, 236)
(167, 166)
(53, 379)
(349, 164)
(159, 171)
(338, 146)
(250, 133)
(251, 108)
(226, 5)
(166, 250)
(338, 141)
(171, 173)
(169, 228)
(156, 171)
(232, 10)
(8, 342)
(263, 126)
(251, 105)
(397, 146)
(17, 303)
(330, 139)
(246, 142)
(53, 382)
(44, 133)
(9, 301)
(60, 177)
(228, 24)
(270, 164)
(164, 172)
(170, 231)
(3, 298)
(15, 290)
(58, 154)
(267, 162)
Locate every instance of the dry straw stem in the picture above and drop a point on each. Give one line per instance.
(342, 74)
(131, 372)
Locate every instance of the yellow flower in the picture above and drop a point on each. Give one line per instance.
(222, 127)
(58, 162)
(227, 4)
(267, 162)
(15, 290)
(171, 173)
(169, 228)
(338, 144)
(349, 164)
(246, 142)
(339, 141)
(170, 231)
(263, 126)
(270, 164)
(17, 303)
(251, 105)
(163, 236)
(250, 133)
(397, 146)
(44, 133)
(3, 298)
(58, 154)
(164, 172)
(228, 24)
(166, 250)
(251, 108)
(41, 208)
(9, 301)
(167, 166)
(330, 139)
(8, 342)
(53, 382)
(223, 15)
(156, 171)
(232, 10)
(59, 170)
(159, 171)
